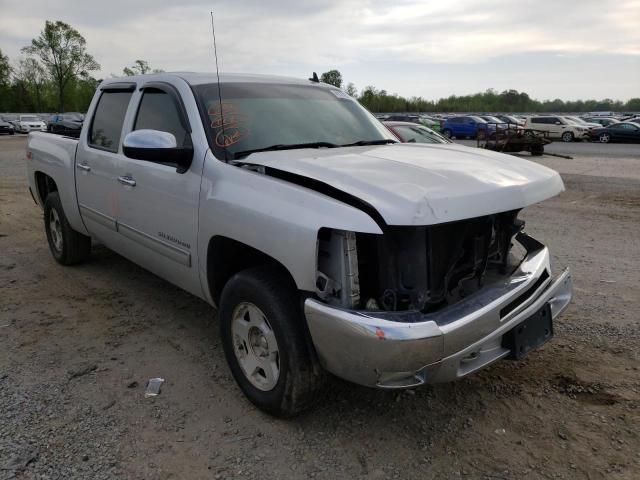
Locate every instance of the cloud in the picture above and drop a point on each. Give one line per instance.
(294, 37)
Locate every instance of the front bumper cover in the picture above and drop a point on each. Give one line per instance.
(405, 349)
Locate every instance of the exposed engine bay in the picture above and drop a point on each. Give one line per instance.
(415, 268)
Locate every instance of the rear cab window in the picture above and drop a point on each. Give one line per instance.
(106, 126)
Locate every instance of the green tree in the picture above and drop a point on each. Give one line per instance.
(351, 90)
(140, 67)
(5, 82)
(33, 77)
(62, 52)
(332, 77)
(5, 70)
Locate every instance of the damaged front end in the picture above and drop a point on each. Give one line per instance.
(418, 269)
(431, 304)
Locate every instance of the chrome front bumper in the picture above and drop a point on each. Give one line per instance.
(404, 349)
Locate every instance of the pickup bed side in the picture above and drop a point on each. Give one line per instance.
(51, 166)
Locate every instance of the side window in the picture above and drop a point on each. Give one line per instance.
(158, 111)
(107, 120)
(537, 120)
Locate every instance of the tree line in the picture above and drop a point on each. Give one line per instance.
(55, 75)
(489, 101)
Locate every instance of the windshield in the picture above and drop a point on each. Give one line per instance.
(260, 115)
(29, 118)
(478, 119)
(73, 118)
(419, 134)
(492, 119)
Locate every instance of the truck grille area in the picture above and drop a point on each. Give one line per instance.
(427, 268)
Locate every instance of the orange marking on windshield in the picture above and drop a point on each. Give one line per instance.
(229, 126)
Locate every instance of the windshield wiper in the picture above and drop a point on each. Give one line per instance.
(282, 146)
(360, 143)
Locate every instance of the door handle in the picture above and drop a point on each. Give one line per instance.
(83, 166)
(127, 181)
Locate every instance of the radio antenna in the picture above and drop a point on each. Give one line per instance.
(215, 53)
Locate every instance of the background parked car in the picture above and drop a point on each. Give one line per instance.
(557, 127)
(65, 124)
(430, 122)
(470, 126)
(582, 122)
(510, 119)
(408, 132)
(618, 132)
(6, 127)
(28, 123)
(603, 121)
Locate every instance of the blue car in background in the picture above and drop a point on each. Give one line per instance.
(468, 126)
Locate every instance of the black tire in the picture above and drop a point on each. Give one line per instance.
(300, 380)
(72, 247)
(568, 137)
(447, 133)
(537, 150)
(11, 132)
(528, 134)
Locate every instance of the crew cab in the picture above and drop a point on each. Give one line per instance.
(325, 244)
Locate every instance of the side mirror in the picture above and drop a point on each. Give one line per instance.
(159, 147)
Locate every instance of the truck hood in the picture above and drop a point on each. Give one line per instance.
(420, 184)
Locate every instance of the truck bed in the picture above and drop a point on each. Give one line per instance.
(54, 156)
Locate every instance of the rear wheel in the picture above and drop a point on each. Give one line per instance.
(528, 134)
(604, 137)
(67, 246)
(537, 150)
(264, 339)
(567, 137)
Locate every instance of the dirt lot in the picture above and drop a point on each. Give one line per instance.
(77, 346)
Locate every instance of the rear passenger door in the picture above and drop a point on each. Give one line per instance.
(98, 163)
(159, 216)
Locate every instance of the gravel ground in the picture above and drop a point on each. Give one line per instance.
(78, 345)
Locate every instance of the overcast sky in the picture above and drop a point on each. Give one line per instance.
(565, 49)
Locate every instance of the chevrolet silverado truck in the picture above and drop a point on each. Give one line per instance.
(324, 244)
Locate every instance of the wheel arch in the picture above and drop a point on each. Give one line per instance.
(45, 184)
(226, 257)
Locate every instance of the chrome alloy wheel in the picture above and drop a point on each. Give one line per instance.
(55, 227)
(255, 346)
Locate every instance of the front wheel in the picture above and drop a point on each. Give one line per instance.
(567, 137)
(604, 137)
(264, 339)
(67, 246)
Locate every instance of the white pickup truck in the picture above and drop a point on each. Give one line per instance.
(324, 243)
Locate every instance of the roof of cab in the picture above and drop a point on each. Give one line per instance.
(194, 78)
